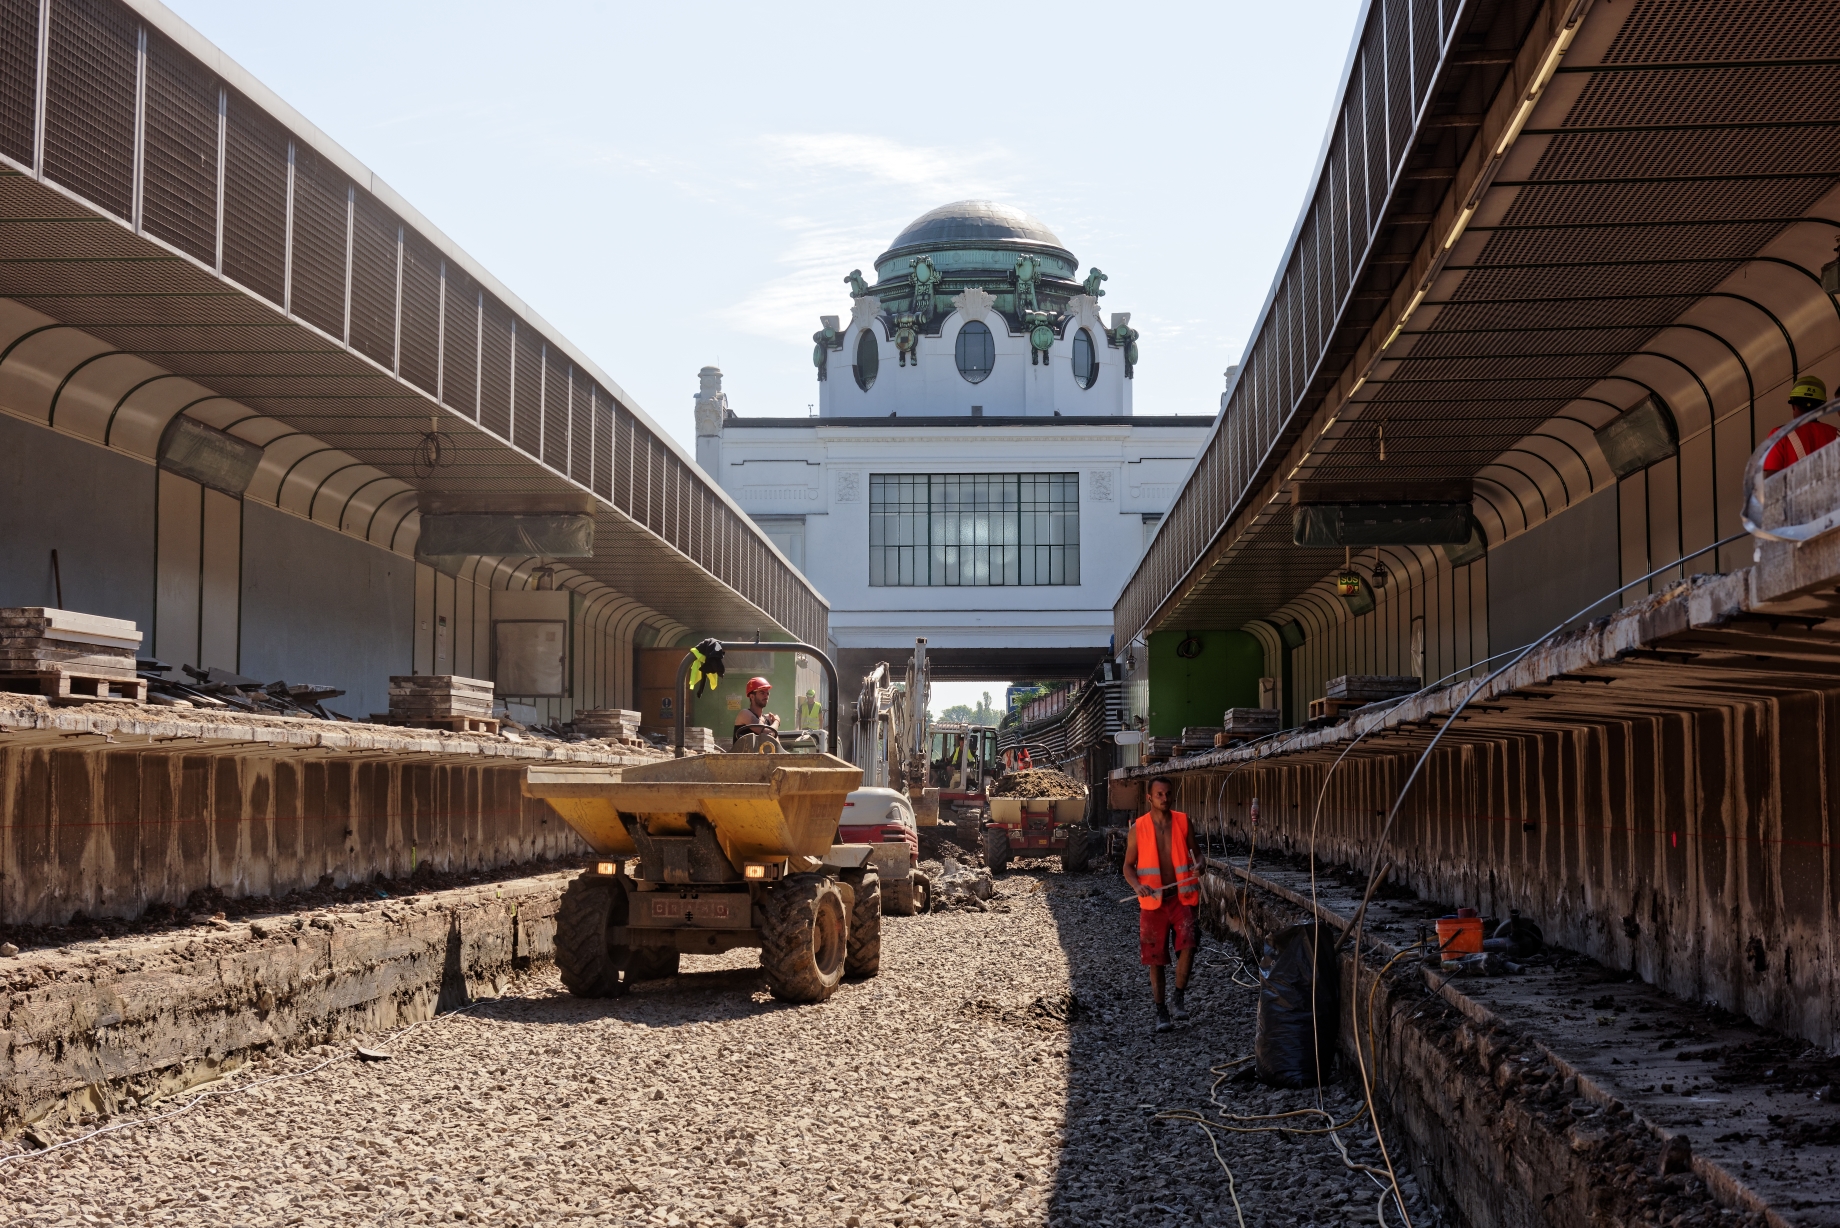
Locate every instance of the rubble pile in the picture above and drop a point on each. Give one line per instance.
(219, 688)
(68, 655)
(961, 887)
(1038, 782)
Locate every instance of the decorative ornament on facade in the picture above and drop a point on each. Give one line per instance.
(1099, 485)
(1041, 335)
(1027, 276)
(1091, 284)
(855, 282)
(848, 487)
(974, 303)
(711, 407)
(824, 341)
(926, 284)
(1122, 335)
(907, 338)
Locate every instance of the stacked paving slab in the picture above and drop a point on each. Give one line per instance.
(441, 701)
(1250, 722)
(71, 657)
(610, 724)
(1370, 688)
(700, 739)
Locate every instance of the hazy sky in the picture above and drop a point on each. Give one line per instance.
(675, 185)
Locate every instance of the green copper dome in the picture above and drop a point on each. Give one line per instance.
(975, 235)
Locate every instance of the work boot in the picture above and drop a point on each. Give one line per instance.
(1178, 1005)
(1163, 1022)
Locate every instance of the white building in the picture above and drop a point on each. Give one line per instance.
(974, 474)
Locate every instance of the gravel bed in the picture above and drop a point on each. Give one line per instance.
(1000, 1071)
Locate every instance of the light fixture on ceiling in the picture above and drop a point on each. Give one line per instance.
(208, 456)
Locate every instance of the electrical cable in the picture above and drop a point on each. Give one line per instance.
(224, 1091)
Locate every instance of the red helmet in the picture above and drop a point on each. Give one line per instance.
(758, 684)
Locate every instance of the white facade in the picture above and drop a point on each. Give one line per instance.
(807, 482)
(1040, 385)
(931, 385)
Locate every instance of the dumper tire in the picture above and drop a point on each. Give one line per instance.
(898, 897)
(805, 941)
(590, 965)
(1078, 853)
(921, 893)
(865, 954)
(651, 964)
(996, 849)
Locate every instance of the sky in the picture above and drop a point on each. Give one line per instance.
(671, 186)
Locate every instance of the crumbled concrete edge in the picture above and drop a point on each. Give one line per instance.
(1455, 1078)
(1703, 600)
(130, 723)
(97, 1028)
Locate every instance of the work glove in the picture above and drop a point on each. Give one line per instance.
(706, 665)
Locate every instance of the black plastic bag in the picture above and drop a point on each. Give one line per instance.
(1300, 1006)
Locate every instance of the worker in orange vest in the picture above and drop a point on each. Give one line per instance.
(1808, 393)
(1160, 866)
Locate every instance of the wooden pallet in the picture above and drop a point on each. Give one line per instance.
(1321, 708)
(76, 686)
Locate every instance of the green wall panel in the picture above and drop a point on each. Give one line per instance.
(1196, 690)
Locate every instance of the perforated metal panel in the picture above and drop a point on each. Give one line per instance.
(527, 386)
(581, 430)
(18, 78)
(255, 199)
(89, 102)
(1426, 44)
(421, 312)
(1398, 81)
(1373, 116)
(601, 412)
(317, 291)
(555, 410)
(179, 193)
(495, 368)
(373, 279)
(460, 343)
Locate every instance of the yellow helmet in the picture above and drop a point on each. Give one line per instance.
(1808, 388)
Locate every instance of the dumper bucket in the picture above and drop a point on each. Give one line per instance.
(763, 807)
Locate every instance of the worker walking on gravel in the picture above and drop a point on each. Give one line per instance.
(1160, 866)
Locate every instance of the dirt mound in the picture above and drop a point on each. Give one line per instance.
(1038, 782)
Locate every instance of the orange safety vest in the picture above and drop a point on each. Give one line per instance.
(1149, 871)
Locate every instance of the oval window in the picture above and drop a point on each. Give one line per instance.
(868, 360)
(1085, 361)
(977, 351)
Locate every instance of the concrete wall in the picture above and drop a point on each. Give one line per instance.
(93, 506)
(1552, 571)
(106, 830)
(1691, 847)
(324, 608)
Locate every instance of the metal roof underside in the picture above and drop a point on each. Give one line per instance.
(1659, 226)
(121, 315)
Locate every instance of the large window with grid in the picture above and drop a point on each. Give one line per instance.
(965, 529)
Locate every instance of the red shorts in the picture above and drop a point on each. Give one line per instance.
(1156, 925)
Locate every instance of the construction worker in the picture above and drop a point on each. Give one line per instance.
(755, 718)
(1161, 868)
(1808, 393)
(810, 714)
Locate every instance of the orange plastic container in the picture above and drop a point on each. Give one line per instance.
(1461, 934)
